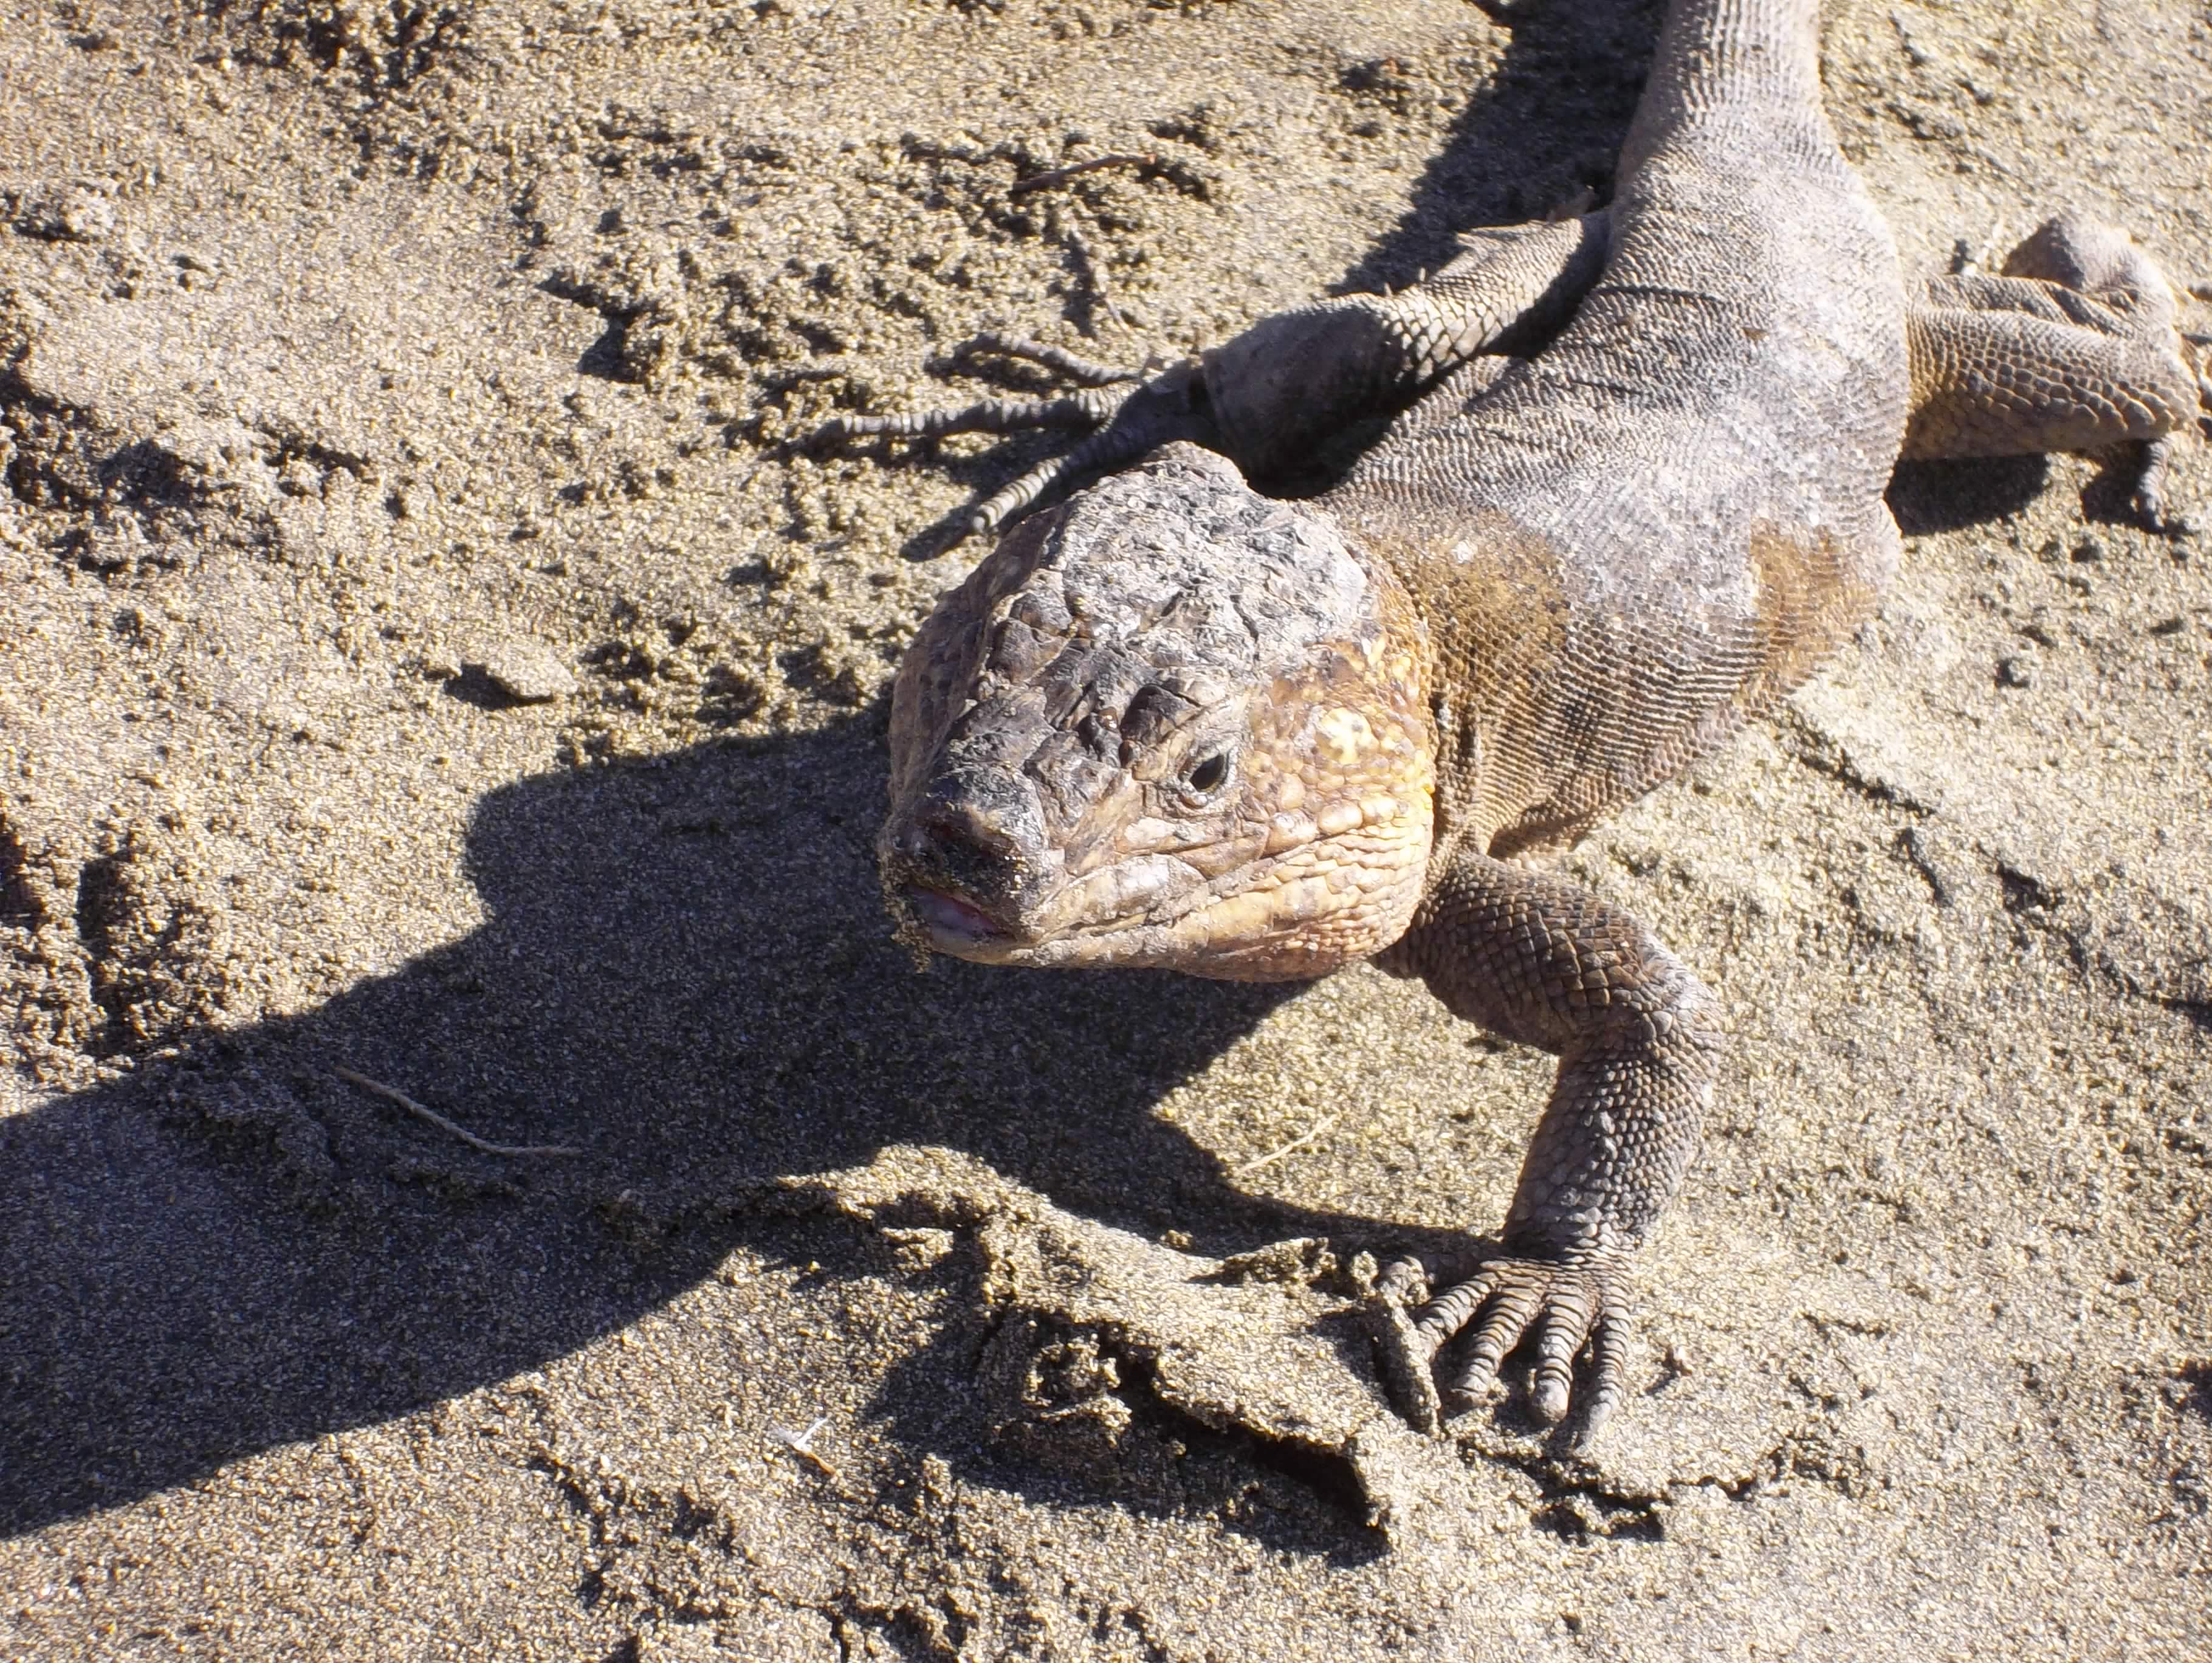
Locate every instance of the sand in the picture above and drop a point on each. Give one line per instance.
(426, 657)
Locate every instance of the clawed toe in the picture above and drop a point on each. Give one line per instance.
(1083, 372)
(1567, 1310)
(1074, 409)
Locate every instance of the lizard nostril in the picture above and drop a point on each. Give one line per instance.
(963, 827)
(966, 847)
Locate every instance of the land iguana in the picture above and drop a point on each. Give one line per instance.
(1631, 497)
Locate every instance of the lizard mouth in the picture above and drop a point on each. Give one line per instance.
(952, 924)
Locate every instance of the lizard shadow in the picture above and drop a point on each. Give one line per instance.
(683, 971)
(1926, 497)
(1554, 111)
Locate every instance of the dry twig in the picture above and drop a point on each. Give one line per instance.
(802, 1444)
(401, 1098)
(1062, 176)
(1258, 1161)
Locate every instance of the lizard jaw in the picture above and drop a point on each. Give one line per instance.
(1285, 914)
(950, 924)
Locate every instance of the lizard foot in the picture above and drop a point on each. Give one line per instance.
(1566, 1307)
(2147, 500)
(1132, 415)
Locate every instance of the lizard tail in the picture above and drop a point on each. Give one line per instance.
(1733, 78)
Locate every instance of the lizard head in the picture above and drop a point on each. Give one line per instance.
(1171, 722)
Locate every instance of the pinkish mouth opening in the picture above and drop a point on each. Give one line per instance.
(950, 919)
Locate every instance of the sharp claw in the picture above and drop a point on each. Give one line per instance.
(1608, 1378)
(1406, 1352)
(1549, 1398)
(1475, 1380)
(1087, 371)
(2149, 500)
(1404, 1282)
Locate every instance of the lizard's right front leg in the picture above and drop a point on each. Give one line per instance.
(1270, 399)
(1535, 958)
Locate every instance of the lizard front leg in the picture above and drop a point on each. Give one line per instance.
(1273, 397)
(1284, 388)
(2074, 348)
(1535, 958)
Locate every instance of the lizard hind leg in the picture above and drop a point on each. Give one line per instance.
(2073, 348)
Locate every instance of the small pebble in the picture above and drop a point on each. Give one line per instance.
(529, 672)
(72, 213)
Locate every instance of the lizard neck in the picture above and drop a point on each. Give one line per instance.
(1488, 618)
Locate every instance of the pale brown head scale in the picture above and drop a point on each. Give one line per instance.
(1172, 722)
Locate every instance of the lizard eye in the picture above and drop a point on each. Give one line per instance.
(1206, 774)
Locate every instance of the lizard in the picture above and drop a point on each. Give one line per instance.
(1617, 487)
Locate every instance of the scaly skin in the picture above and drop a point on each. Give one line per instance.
(1175, 723)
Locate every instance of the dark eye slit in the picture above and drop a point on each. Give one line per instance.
(1208, 772)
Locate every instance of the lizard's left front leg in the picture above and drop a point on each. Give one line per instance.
(1535, 958)
(1272, 397)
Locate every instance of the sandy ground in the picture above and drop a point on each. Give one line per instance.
(426, 655)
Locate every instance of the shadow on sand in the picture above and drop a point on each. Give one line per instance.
(685, 971)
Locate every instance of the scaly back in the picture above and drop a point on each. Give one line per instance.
(1658, 525)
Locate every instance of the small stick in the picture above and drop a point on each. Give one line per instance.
(1062, 176)
(443, 1124)
(1254, 1166)
(802, 1444)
